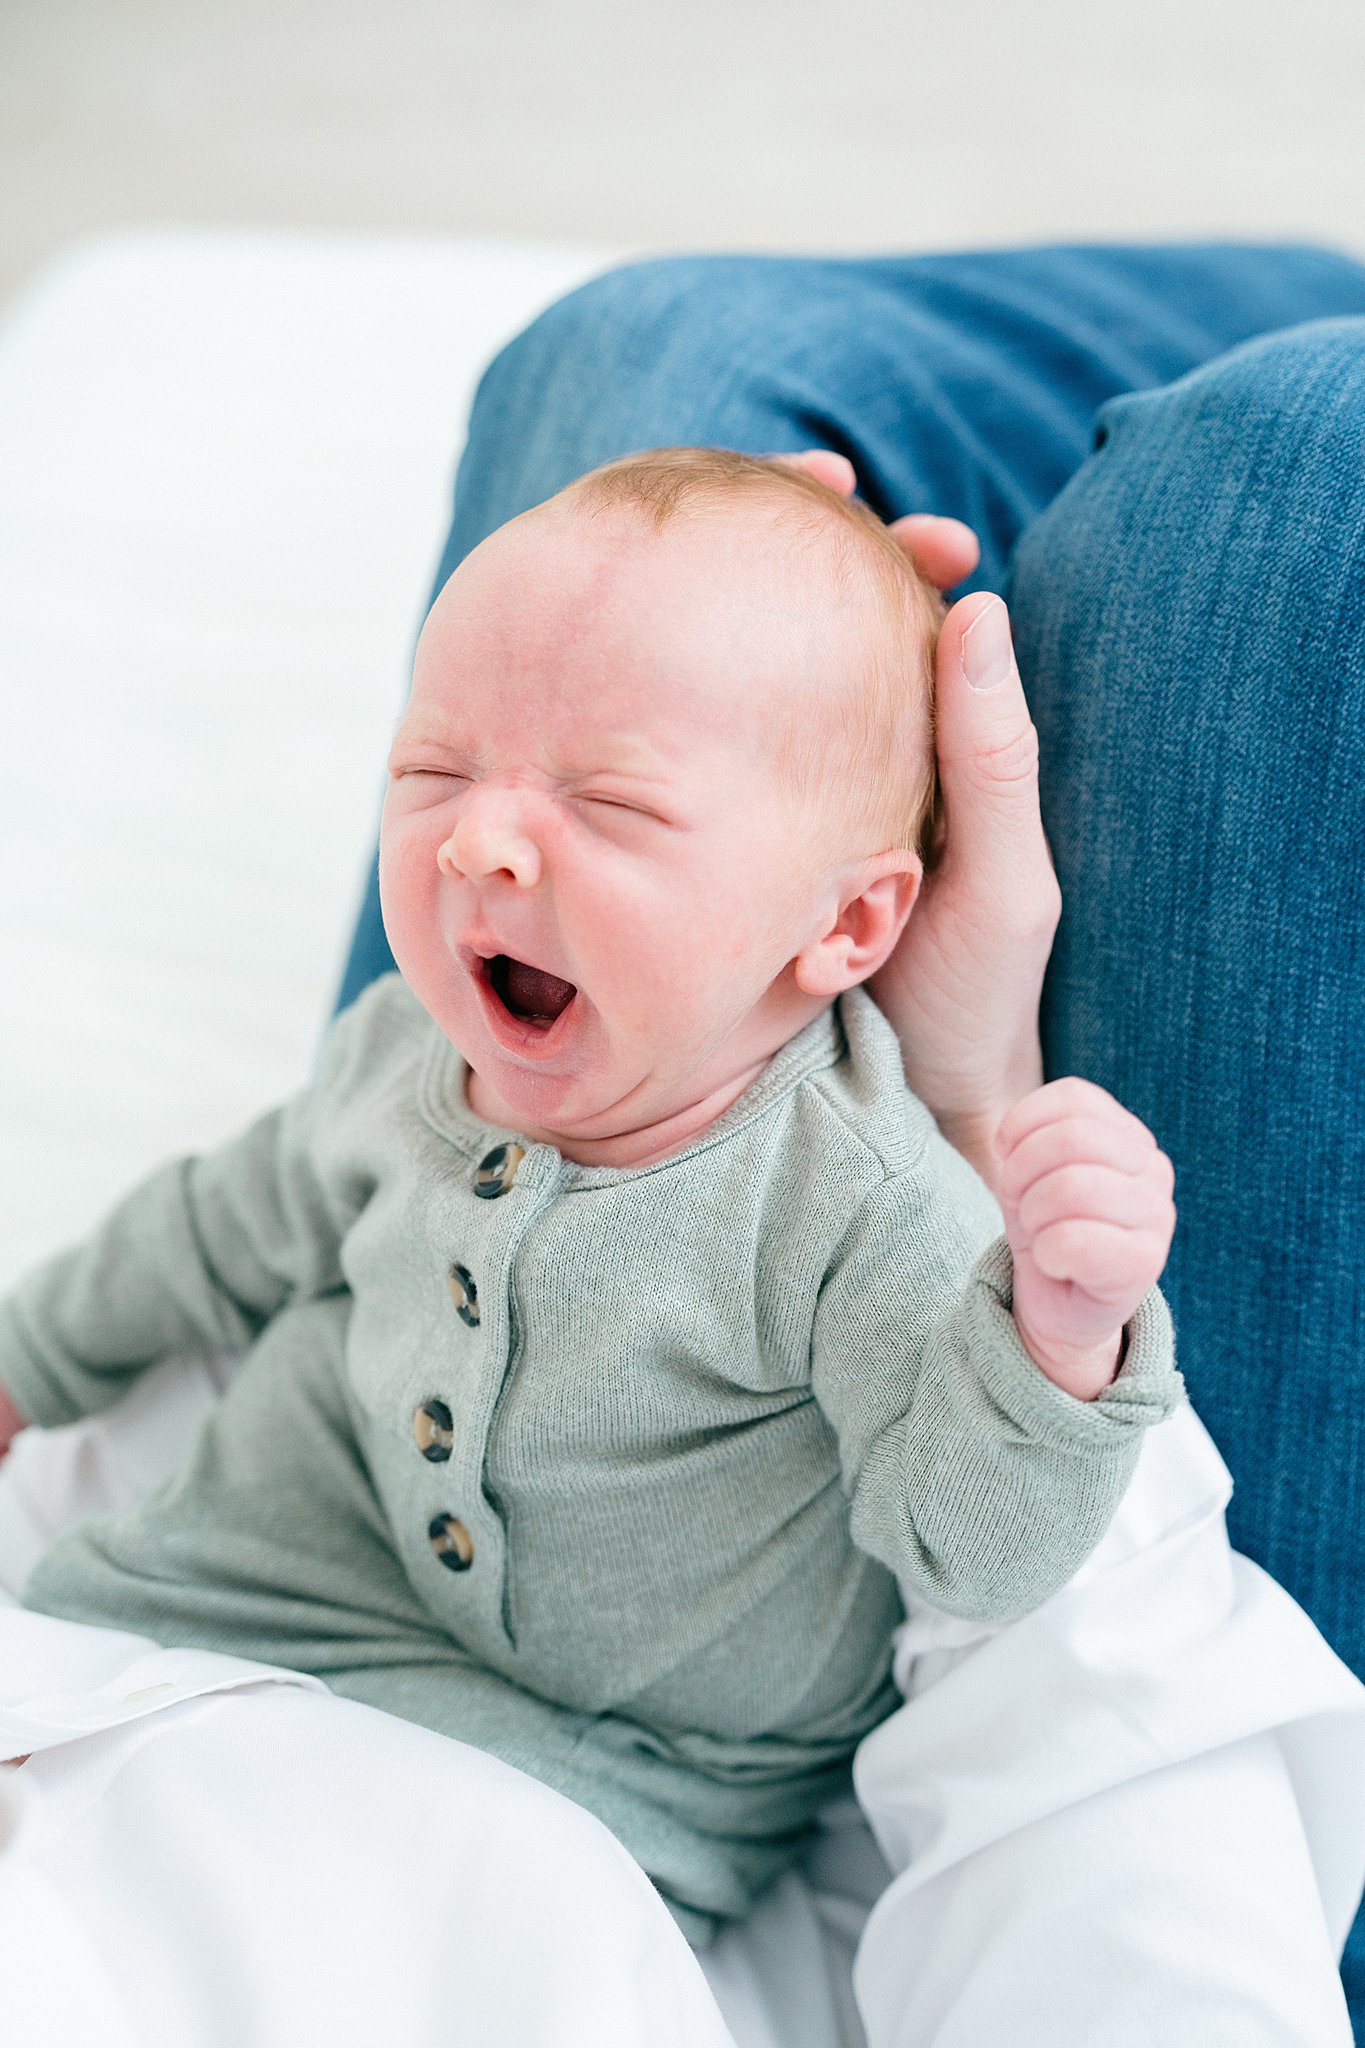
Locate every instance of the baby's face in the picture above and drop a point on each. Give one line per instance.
(592, 875)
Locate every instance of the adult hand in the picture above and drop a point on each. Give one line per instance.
(963, 985)
(943, 550)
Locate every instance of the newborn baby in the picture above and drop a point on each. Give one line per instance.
(622, 1330)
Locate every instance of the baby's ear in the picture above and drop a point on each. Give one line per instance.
(875, 899)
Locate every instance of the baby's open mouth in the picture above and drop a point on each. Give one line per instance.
(530, 993)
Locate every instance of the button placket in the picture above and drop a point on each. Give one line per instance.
(433, 1428)
(491, 1244)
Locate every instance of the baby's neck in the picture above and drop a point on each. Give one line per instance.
(642, 1146)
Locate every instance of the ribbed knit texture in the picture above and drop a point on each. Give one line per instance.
(707, 1411)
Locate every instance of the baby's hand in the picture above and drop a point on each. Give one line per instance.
(1089, 1217)
(11, 1422)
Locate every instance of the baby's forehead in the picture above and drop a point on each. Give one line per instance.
(741, 583)
(738, 623)
(761, 536)
(748, 596)
(593, 625)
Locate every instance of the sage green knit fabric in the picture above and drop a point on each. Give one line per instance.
(634, 1519)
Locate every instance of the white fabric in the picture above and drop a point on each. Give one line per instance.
(1134, 1818)
(210, 1873)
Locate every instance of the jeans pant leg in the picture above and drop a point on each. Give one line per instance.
(1190, 617)
(958, 384)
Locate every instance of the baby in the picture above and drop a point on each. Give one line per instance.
(622, 1330)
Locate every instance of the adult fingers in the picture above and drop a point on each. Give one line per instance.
(834, 471)
(943, 550)
(988, 767)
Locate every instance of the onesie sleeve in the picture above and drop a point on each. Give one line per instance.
(201, 1253)
(978, 1482)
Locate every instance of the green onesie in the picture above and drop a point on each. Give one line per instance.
(611, 1471)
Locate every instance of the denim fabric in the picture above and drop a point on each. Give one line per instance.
(1190, 612)
(1190, 617)
(961, 384)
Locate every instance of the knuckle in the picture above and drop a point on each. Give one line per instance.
(1048, 907)
(1009, 760)
(1032, 902)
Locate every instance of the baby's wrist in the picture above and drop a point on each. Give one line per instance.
(1081, 1370)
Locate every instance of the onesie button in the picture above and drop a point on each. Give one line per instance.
(433, 1429)
(464, 1294)
(452, 1543)
(497, 1170)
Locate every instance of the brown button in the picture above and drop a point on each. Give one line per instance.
(497, 1170)
(452, 1543)
(433, 1429)
(464, 1294)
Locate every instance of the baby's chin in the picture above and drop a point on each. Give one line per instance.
(584, 1117)
(537, 1074)
(610, 1090)
(609, 1119)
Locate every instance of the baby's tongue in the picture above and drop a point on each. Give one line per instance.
(531, 992)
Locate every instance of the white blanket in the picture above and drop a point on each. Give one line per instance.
(1137, 1817)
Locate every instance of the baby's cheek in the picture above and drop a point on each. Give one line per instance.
(643, 952)
(395, 862)
(409, 884)
(664, 950)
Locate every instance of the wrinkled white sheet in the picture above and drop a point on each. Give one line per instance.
(1134, 1818)
(261, 1865)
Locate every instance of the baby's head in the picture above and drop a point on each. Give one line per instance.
(852, 736)
(661, 792)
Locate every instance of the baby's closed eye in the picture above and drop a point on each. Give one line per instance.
(614, 810)
(427, 785)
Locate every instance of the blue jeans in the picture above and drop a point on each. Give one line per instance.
(1189, 605)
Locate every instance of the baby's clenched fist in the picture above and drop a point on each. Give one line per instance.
(1086, 1194)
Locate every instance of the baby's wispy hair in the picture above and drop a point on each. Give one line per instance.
(872, 748)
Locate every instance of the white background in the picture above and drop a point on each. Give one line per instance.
(838, 123)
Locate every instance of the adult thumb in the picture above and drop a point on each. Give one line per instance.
(986, 742)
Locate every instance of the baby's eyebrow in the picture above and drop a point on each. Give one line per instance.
(608, 767)
(413, 730)
(627, 754)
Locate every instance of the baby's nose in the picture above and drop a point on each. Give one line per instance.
(491, 838)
